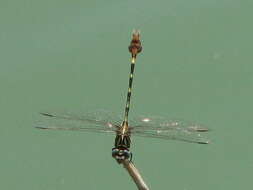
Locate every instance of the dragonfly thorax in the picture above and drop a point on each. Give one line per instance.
(122, 141)
(121, 147)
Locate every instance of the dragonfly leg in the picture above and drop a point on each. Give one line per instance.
(131, 156)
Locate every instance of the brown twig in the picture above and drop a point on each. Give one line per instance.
(135, 174)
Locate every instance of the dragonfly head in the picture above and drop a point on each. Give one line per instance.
(135, 46)
(121, 154)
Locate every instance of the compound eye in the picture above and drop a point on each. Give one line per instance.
(115, 152)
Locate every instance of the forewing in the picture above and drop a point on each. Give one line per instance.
(185, 136)
(97, 121)
(160, 127)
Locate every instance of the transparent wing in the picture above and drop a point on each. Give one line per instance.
(97, 121)
(160, 127)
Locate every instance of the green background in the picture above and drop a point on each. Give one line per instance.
(196, 64)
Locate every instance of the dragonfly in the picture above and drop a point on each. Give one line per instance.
(103, 121)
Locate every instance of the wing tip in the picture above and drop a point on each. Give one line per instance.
(39, 127)
(202, 130)
(204, 142)
(198, 129)
(46, 114)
